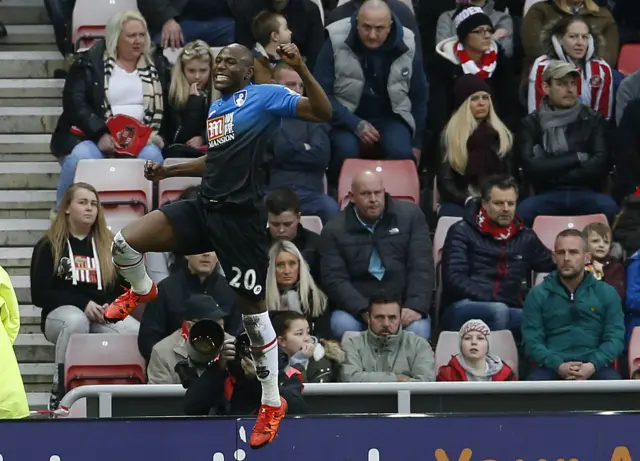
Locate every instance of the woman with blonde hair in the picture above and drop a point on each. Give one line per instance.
(121, 75)
(73, 277)
(290, 287)
(476, 145)
(543, 13)
(190, 94)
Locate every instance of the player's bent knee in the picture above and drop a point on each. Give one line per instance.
(152, 232)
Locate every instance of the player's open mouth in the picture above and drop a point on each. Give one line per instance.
(221, 78)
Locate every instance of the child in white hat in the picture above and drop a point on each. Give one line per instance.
(474, 363)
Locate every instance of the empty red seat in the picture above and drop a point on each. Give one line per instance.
(170, 189)
(90, 18)
(312, 223)
(103, 359)
(121, 185)
(116, 223)
(400, 178)
(548, 227)
(629, 59)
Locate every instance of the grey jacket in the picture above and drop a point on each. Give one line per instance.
(445, 28)
(164, 357)
(349, 76)
(377, 359)
(628, 91)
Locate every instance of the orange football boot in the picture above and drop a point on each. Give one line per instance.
(267, 424)
(126, 303)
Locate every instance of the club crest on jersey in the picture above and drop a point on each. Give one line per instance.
(220, 130)
(240, 98)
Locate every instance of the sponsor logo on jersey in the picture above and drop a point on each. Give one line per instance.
(220, 130)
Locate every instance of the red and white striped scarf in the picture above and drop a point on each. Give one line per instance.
(488, 63)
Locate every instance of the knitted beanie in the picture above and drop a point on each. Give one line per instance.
(466, 18)
(475, 325)
(467, 85)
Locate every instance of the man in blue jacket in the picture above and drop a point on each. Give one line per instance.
(301, 156)
(373, 74)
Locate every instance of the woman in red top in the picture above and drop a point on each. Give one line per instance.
(474, 362)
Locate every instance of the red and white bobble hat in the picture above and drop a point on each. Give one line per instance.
(475, 325)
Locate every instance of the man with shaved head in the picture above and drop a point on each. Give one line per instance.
(375, 243)
(372, 71)
(228, 216)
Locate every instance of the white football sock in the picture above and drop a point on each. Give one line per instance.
(130, 265)
(264, 349)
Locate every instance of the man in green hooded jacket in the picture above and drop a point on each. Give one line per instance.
(573, 324)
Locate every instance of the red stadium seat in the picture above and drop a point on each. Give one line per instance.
(634, 354)
(103, 359)
(502, 344)
(629, 59)
(312, 223)
(116, 223)
(121, 185)
(400, 178)
(548, 227)
(90, 18)
(440, 235)
(170, 189)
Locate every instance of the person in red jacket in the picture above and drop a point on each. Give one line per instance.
(474, 362)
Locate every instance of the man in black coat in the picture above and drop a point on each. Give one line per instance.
(486, 258)
(377, 242)
(564, 152)
(164, 315)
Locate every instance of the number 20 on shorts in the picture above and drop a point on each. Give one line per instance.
(249, 280)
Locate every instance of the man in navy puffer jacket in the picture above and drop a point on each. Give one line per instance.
(486, 258)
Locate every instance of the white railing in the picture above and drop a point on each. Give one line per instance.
(106, 393)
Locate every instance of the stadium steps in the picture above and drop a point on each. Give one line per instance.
(30, 103)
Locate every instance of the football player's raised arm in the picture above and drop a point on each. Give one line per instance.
(193, 168)
(316, 107)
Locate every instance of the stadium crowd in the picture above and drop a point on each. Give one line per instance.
(508, 118)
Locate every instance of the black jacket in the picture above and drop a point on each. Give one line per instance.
(164, 315)
(503, 84)
(627, 150)
(83, 99)
(189, 121)
(207, 394)
(402, 240)
(547, 171)
(454, 187)
(470, 263)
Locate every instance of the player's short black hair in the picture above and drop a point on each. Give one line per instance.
(281, 200)
(264, 24)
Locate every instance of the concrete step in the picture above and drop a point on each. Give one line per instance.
(33, 348)
(22, 232)
(14, 146)
(36, 92)
(34, 34)
(29, 64)
(29, 314)
(25, 205)
(37, 399)
(15, 257)
(23, 12)
(37, 120)
(37, 373)
(21, 284)
(29, 175)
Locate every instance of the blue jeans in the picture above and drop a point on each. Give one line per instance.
(315, 204)
(547, 374)
(216, 32)
(452, 210)
(342, 321)
(567, 203)
(497, 316)
(395, 142)
(89, 150)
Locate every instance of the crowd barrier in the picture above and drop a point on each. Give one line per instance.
(400, 398)
(574, 437)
